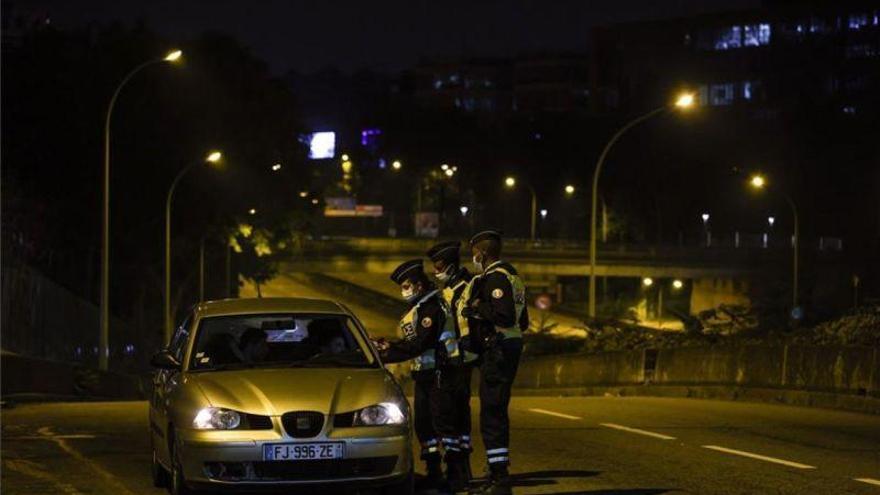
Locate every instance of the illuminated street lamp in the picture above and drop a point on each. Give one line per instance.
(104, 331)
(252, 211)
(314, 201)
(759, 182)
(510, 182)
(683, 102)
(212, 159)
(677, 284)
(396, 165)
(647, 281)
(304, 194)
(569, 189)
(276, 167)
(543, 213)
(464, 210)
(771, 221)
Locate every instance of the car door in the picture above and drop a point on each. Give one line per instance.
(164, 383)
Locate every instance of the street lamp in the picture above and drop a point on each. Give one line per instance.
(211, 158)
(396, 165)
(569, 189)
(104, 335)
(544, 213)
(464, 210)
(683, 102)
(706, 232)
(510, 182)
(252, 211)
(276, 167)
(758, 182)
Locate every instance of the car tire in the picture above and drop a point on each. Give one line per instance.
(177, 482)
(157, 472)
(406, 486)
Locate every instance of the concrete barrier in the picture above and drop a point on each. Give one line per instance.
(26, 378)
(839, 377)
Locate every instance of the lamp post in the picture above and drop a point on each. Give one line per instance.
(684, 101)
(212, 158)
(510, 182)
(104, 334)
(759, 182)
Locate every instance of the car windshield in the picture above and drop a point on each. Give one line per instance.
(279, 340)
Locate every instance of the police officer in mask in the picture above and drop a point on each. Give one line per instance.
(454, 279)
(495, 306)
(430, 343)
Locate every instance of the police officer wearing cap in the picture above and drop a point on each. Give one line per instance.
(429, 341)
(446, 258)
(495, 305)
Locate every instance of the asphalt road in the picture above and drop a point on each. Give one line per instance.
(560, 445)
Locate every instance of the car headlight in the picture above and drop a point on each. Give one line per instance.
(386, 413)
(215, 418)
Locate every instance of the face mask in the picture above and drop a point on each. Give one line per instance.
(407, 294)
(444, 275)
(478, 265)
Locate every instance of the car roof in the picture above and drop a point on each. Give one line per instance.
(226, 307)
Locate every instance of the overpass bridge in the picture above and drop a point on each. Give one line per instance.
(711, 276)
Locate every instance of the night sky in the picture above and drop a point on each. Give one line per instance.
(382, 35)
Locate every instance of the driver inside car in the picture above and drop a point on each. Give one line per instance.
(253, 345)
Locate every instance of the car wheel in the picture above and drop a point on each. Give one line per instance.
(157, 472)
(177, 483)
(406, 486)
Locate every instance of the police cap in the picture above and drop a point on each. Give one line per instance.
(486, 235)
(445, 251)
(408, 270)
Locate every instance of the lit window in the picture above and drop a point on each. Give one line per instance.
(721, 94)
(849, 110)
(756, 34)
(438, 84)
(454, 79)
(858, 21)
(747, 90)
(728, 38)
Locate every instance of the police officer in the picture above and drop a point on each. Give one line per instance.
(494, 304)
(429, 341)
(446, 258)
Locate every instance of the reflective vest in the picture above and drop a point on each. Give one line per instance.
(428, 359)
(456, 306)
(519, 300)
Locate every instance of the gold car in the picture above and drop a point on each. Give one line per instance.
(276, 393)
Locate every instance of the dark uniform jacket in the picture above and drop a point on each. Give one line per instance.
(421, 334)
(496, 307)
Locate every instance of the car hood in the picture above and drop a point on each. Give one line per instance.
(273, 392)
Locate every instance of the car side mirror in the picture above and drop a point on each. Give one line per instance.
(164, 360)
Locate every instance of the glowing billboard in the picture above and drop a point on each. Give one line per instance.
(321, 145)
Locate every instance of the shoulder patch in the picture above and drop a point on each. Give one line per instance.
(497, 293)
(426, 321)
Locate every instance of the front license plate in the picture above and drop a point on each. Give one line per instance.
(303, 451)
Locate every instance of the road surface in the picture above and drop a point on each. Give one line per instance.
(578, 445)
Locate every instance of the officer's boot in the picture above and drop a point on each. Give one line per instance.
(499, 481)
(433, 479)
(455, 473)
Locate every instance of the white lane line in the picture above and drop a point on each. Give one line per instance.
(870, 481)
(552, 413)
(637, 431)
(759, 457)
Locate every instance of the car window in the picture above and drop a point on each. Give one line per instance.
(179, 339)
(279, 340)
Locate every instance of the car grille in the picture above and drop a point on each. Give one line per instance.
(303, 424)
(301, 470)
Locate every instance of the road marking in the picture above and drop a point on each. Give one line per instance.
(759, 457)
(109, 478)
(552, 413)
(38, 471)
(637, 431)
(870, 481)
